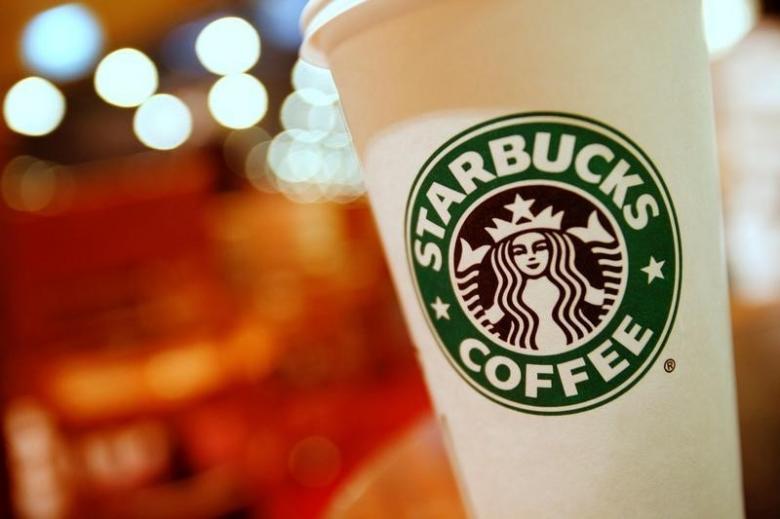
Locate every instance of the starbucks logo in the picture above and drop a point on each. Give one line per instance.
(546, 257)
(538, 282)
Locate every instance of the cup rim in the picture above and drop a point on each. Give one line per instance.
(314, 8)
(316, 15)
(341, 18)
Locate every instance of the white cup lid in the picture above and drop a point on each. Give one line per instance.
(316, 15)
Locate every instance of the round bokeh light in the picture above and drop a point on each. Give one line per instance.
(33, 106)
(62, 43)
(163, 122)
(314, 83)
(238, 101)
(228, 45)
(297, 112)
(726, 22)
(126, 78)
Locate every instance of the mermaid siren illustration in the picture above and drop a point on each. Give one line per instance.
(536, 286)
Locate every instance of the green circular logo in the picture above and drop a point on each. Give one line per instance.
(545, 252)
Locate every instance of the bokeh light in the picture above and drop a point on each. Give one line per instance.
(297, 160)
(126, 78)
(33, 106)
(62, 43)
(28, 184)
(726, 22)
(297, 112)
(238, 101)
(308, 168)
(31, 441)
(163, 122)
(314, 83)
(313, 160)
(228, 45)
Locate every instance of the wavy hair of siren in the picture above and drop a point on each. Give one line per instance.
(562, 272)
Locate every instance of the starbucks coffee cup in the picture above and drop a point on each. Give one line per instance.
(544, 180)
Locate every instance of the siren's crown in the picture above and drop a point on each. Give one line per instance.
(523, 219)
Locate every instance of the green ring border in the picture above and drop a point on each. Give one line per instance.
(678, 245)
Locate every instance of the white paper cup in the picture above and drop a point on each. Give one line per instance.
(544, 179)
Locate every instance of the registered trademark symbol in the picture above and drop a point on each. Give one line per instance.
(669, 365)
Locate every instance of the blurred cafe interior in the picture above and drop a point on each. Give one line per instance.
(197, 319)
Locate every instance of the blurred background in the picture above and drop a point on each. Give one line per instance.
(197, 320)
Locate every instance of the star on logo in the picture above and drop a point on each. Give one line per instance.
(520, 208)
(441, 308)
(653, 270)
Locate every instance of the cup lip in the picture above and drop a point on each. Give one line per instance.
(314, 8)
(342, 18)
(316, 15)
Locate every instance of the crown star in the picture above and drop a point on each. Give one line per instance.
(520, 208)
